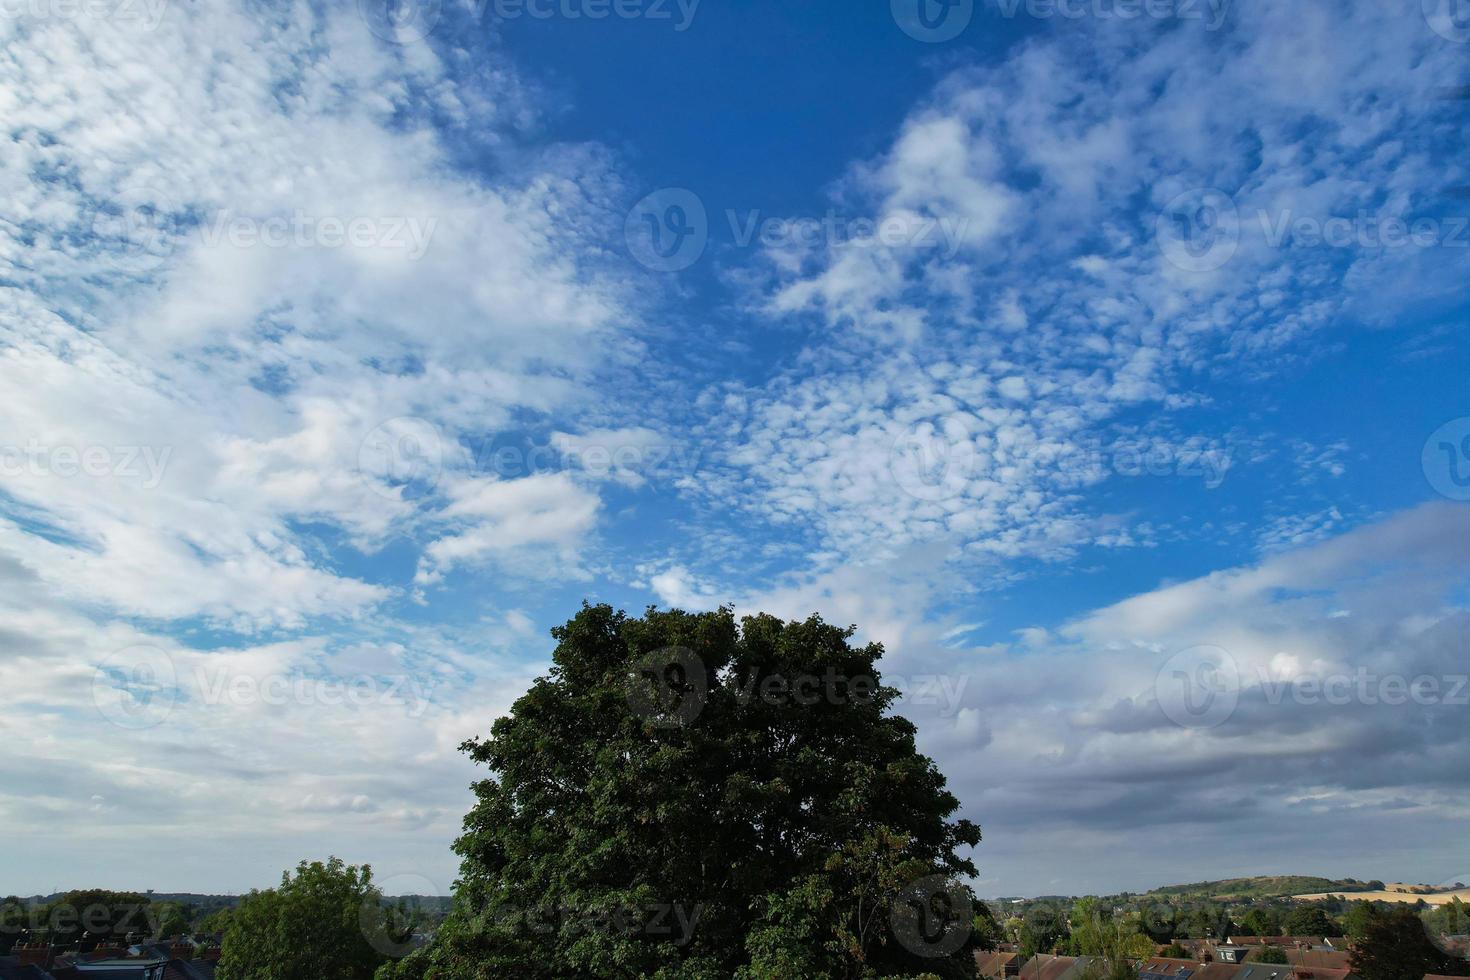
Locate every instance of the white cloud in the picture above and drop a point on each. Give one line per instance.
(280, 257)
(500, 517)
(1069, 311)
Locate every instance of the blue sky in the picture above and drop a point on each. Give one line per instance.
(1046, 343)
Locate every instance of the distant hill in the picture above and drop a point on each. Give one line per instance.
(1268, 886)
(1403, 894)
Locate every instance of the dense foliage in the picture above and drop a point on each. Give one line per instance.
(92, 915)
(322, 923)
(688, 796)
(1398, 946)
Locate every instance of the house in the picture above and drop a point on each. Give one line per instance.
(1168, 968)
(150, 961)
(1044, 966)
(998, 965)
(1217, 971)
(1319, 959)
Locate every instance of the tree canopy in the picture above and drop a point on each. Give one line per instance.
(685, 796)
(1310, 920)
(1396, 946)
(322, 923)
(87, 915)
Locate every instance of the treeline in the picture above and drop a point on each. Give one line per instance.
(1390, 941)
(1039, 925)
(91, 917)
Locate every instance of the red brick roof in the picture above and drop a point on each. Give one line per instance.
(1044, 966)
(993, 964)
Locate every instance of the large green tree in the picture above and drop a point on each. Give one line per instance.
(325, 922)
(1359, 917)
(1396, 946)
(689, 796)
(1310, 920)
(1261, 922)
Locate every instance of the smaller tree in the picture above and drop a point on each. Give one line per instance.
(1449, 919)
(217, 923)
(1359, 917)
(1043, 928)
(1272, 954)
(986, 928)
(1310, 920)
(171, 919)
(323, 923)
(1261, 922)
(1174, 951)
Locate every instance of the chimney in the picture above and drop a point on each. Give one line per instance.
(181, 951)
(210, 954)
